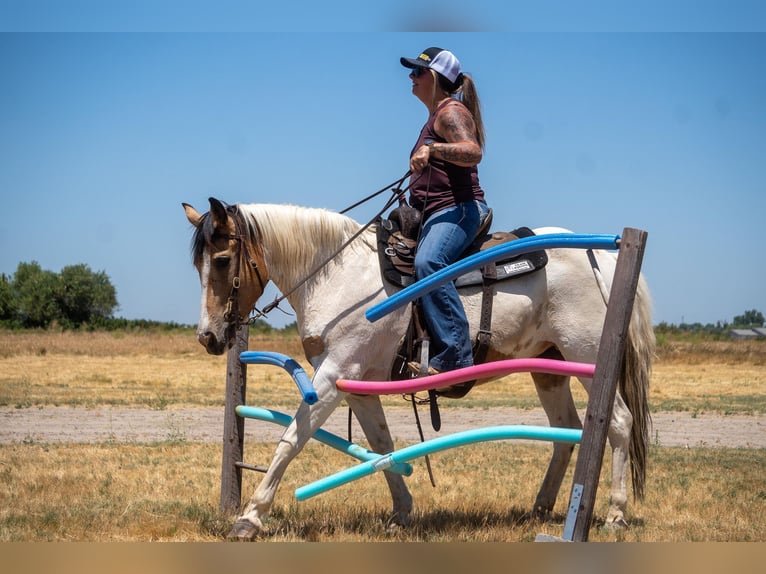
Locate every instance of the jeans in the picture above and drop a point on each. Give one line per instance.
(445, 235)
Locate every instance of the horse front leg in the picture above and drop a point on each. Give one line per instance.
(307, 420)
(369, 412)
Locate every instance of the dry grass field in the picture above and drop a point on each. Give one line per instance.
(169, 490)
(170, 370)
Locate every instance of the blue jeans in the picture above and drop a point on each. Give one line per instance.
(445, 235)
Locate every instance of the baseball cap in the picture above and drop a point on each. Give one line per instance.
(437, 59)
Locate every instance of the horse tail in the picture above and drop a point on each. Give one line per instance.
(634, 383)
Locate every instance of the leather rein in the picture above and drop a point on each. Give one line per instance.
(232, 314)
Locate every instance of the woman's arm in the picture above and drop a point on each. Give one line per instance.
(455, 124)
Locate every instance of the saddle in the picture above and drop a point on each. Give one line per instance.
(397, 244)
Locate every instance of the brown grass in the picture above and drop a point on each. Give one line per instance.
(170, 490)
(117, 369)
(172, 370)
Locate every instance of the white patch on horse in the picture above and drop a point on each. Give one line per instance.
(204, 274)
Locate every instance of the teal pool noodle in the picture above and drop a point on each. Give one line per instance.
(322, 436)
(384, 462)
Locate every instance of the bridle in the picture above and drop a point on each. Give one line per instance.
(232, 303)
(235, 318)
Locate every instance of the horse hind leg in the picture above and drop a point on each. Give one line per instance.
(619, 440)
(619, 434)
(369, 412)
(556, 398)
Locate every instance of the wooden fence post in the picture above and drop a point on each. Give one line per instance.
(608, 366)
(233, 425)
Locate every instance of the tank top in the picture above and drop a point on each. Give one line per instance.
(443, 184)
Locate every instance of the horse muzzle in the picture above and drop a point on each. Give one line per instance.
(212, 344)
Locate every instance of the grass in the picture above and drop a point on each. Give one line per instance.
(114, 369)
(169, 491)
(171, 370)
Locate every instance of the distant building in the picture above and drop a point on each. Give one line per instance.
(744, 333)
(760, 331)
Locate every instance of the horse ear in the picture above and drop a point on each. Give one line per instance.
(192, 215)
(218, 211)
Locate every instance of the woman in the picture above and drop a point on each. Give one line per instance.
(445, 187)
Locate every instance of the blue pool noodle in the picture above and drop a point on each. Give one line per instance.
(517, 247)
(305, 386)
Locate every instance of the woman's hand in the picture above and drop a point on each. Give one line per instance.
(419, 160)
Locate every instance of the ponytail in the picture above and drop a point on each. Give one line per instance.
(465, 90)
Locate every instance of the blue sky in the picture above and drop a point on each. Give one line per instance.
(594, 126)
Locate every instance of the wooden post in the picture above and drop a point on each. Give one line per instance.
(233, 425)
(608, 366)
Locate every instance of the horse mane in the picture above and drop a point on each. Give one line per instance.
(297, 239)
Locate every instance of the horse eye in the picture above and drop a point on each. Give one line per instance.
(222, 261)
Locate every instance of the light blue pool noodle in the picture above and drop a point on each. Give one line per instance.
(321, 435)
(517, 247)
(529, 432)
(305, 386)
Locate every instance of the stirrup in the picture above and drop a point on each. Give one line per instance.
(418, 369)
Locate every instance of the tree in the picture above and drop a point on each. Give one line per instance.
(751, 318)
(34, 297)
(84, 296)
(7, 303)
(34, 292)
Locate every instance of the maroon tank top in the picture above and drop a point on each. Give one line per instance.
(444, 184)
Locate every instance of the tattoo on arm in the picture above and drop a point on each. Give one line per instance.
(456, 125)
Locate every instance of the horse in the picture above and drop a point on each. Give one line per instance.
(556, 311)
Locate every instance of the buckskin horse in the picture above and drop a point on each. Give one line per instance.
(557, 311)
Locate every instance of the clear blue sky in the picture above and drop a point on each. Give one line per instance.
(651, 120)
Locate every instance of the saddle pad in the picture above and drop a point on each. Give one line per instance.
(506, 268)
(396, 254)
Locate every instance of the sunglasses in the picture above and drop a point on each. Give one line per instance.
(418, 71)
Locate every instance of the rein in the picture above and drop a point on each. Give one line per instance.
(398, 194)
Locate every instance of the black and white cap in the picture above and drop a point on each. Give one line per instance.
(437, 59)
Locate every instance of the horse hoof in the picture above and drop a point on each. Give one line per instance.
(616, 523)
(242, 529)
(397, 521)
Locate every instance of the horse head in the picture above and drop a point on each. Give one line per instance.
(232, 271)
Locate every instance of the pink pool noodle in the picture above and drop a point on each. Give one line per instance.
(484, 371)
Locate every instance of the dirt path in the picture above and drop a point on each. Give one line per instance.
(64, 424)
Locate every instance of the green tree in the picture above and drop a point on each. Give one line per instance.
(34, 290)
(34, 297)
(7, 300)
(84, 296)
(751, 318)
